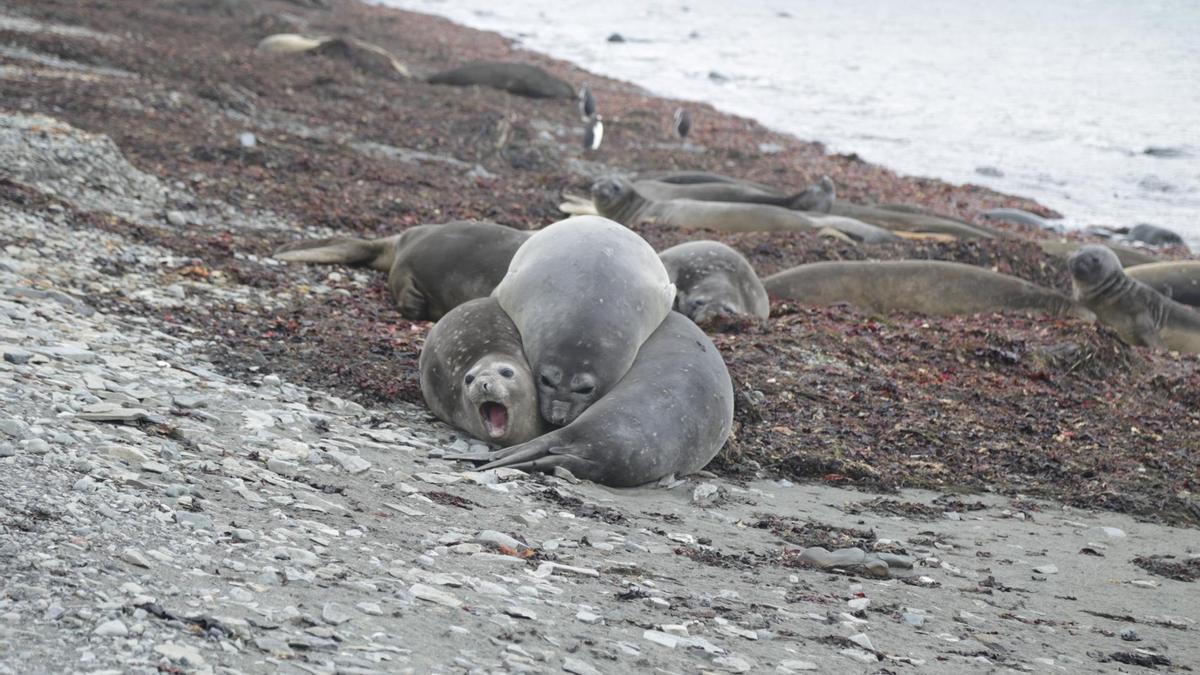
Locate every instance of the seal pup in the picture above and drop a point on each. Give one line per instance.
(585, 293)
(1062, 248)
(431, 268)
(618, 199)
(522, 79)
(1179, 280)
(711, 280)
(1140, 315)
(924, 286)
(670, 414)
(682, 123)
(816, 198)
(474, 375)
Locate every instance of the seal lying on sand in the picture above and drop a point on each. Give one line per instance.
(431, 268)
(1179, 280)
(618, 199)
(521, 79)
(1139, 314)
(816, 198)
(714, 280)
(585, 293)
(925, 286)
(671, 413)
(1062, 248)
(906, 220)
(474, 375)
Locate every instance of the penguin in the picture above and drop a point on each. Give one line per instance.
(594, 134)
(683, 122)
(587, 104)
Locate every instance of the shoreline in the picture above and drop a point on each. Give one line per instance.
(214, 462)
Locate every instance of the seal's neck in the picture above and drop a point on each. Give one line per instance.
(628, 208)
(1114, 285)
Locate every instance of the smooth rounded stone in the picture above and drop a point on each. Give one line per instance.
(587, 617)
(704, 492)
(824, 558)
(1105, 533)
(197, 521)
(370, 608)
(733, 663)
(334, 614)
(573, 665)
(85, 484)
(271, 381)
(16, 356)
(176, 218)
(499, 540)
(859, 604)
(183, 654)
(14, 428)
(913, 619)
(1046, 569)
(8, 450)
(113, 628)
(1129, 635)
(243, 535)
(176, 490)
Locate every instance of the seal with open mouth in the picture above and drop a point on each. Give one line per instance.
(474, 375)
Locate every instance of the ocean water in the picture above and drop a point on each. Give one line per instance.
(1091, 107)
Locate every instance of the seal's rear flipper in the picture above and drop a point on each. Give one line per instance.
(374, 253)
(577, 206)
(477, 456)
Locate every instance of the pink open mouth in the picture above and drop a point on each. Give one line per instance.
(495, 418)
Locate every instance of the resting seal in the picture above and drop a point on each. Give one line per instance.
(521, 79)
(363, 55)
(671, 413)
(618, 199)
(714, 280)
(585, 293)
(925, 286)
(1062, 248)
(431, 268)
(817, 198)
(1155, 235)
(895, 219)
(475, 376)
(1139, 314)
(1179, 280)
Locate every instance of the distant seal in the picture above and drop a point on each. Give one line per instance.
(711, 280)
(288, 43)
(617, 198)
(693, 177)
(431, 268)
(474, 375)
(1061, 248)
(670, 414)
(1155, 235)
(907, 221)
(585, 293)
(924, 286)
(817, 198)
(1020, 217)
(1179, 280)
(522, 79)
(1139, 314)
(363, 55)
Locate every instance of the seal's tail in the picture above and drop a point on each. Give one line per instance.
(378, 254)
(576, 205)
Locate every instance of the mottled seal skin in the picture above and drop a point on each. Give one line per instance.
(1062, 248)
(1140, 315)
(711, 280)
(924, 286)
(585, 293)
(1179, 280)
(474, 375)
(817, 198)
(522, 79)
(431, 268)
(617, 198)
(670, 414)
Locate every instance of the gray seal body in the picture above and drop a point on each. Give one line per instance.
(585, 293)
(522, 79)
(711, 279)
(670, 414)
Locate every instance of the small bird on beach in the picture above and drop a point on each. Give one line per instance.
(683, 122)
(587, 104)
(594, 134)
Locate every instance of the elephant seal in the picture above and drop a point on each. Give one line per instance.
(904, 220)
(617, 198)
(1155, 235)
(693, 177)
(585, 293)
(522, 79)
(1140, 315)
(474, 375)
(1062, 248)
(817, 198)
(362, 55)
(288, 43)
(431, 268)
(1179, 280)
(925, 286)
(1021, 217)
(714, 280)
(671, 413)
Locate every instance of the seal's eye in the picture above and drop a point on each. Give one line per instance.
(585, 390)
(506, 372)
(469, 379)
(546, 382)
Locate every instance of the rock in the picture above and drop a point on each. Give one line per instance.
(353, 464)
(247, 140)
(1046, 569)
(182, 654)
(17, 356)
(1105, 533)
(704, 492)
(616, 37)
(587, 617)
(176, 218)
(135, 557)
(196, 521)
(369, 608)
(112, 628)
(1130, 635)
(797, 665)
(431, 594)
(334, 614)
(499, 540)
(862, 640)
(573, 665)
(913, 619)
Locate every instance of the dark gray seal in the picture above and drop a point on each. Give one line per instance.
(924, 286)
(431, 268)
(714, 280)
(618, 199)
(670, 414)
(585, 293)
(1140, 315)
(522, 79)
(1155, 235)
(816, 198)
(1062, 248)
(474, 375)
(1179, 280)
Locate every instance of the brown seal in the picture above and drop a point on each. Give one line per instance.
(924, 286)
(431, 268)
(474, 375)
(522, 79)
(1140, 315)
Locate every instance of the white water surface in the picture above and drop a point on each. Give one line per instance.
(1062, 98)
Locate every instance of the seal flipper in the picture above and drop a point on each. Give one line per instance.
(1145, 334)
(377, 254)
